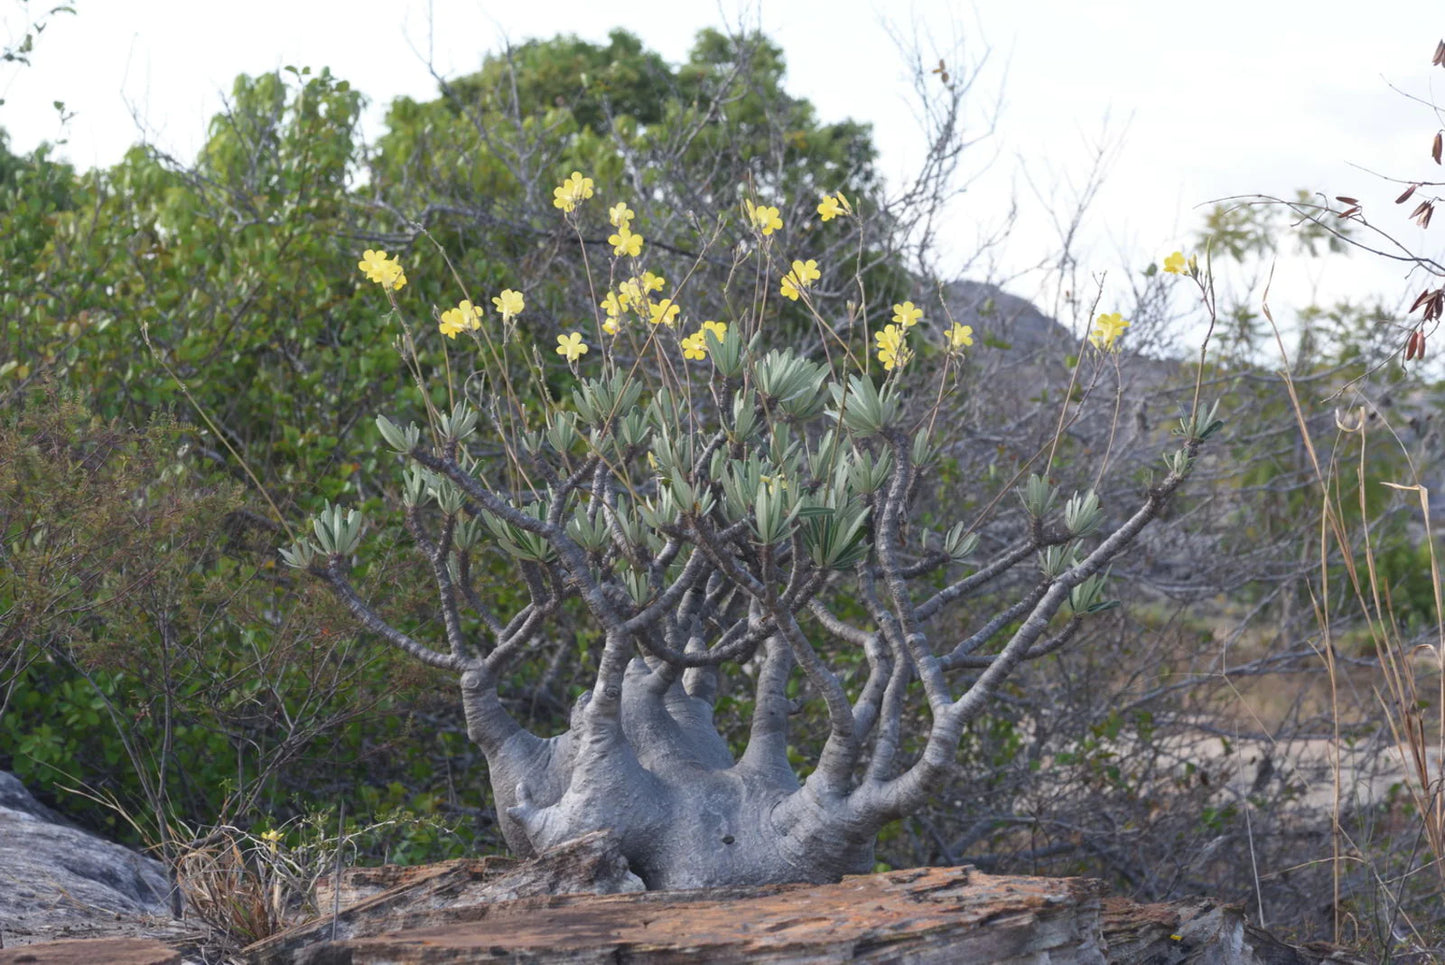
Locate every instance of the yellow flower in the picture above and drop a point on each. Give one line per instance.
(761, 218)
(906, 315)
(1175, 264)
(625, 242)
(612, 326)
(829, 208)
(959, 336)
(892, 351)
(651, 282)
(620, 215)
(664, 313)
(802, 276)
(509, 304)
(272, 838)
(629, 293)
(463, 318)
(572, 192)
(571, 347)
(386, 272)
(720, 329)
(1107, 329)
(612, 305)
(694, 346)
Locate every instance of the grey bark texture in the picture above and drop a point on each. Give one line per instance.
(469, 911)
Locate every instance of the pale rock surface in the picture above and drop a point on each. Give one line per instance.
(59, 881)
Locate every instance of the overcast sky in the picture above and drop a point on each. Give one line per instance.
(1196, 101)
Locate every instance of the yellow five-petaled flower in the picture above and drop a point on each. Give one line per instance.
(1107, 329)
(509, 303)
(906, 315)
(664, 313)
(572, 192)
(571, 347)
(464, 318)
(694, 346)
(761, 218)
(959, 336)
(833, 205)
(620, 215)
(1175, 264)
(625, 242)
(892, 351)
(386, 272)
(802, 276)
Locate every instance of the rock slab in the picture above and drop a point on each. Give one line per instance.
(58, 881)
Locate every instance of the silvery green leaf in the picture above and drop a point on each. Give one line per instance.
(586, 532)
(959, 544)
(1038, 496)
(726, 353)
(338, 531)
(633, 430)
(460, 424)
(1087, 596)
(402, 440)
(791, 382)
(562, 434)
(745, 416)
(1082, 514)
(416, 482)
(300, 556)
(861, 408)
(1054, 560)
(924, 452)
(468, 533)
(447, 495)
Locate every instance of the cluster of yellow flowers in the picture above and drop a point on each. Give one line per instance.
(892, 347)
(694, 346)
(635, 294)
(572, 192)
(467, 317)
(1108, 326)
(385, 271)
(625, 241)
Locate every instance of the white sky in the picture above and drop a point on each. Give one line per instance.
(1202, 100)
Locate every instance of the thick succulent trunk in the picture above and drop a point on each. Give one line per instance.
(657, 775)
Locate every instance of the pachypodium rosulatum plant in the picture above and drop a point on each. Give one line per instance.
(712, 505)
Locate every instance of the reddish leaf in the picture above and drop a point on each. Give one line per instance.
(1435, 148)
(1406, 196)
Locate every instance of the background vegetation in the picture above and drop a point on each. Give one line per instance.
(190, 363)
